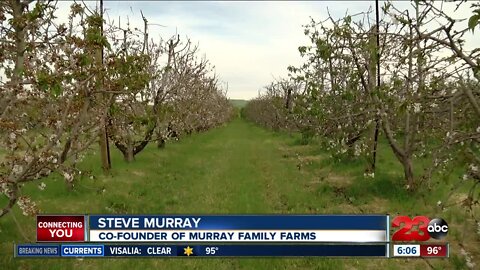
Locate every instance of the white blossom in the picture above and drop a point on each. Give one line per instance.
(468, 259)
(28, 158)
(474, 168)
(68, 177)
(369, 175)
(4, 188)
(12, 146)
(357, 150)
(42, 186)
(28, 206)
(17, 169)
(417, 107)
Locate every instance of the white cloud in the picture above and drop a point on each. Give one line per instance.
(249, 43)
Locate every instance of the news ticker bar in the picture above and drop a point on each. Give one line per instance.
(105, 250)
(213, 228)
(212, 250)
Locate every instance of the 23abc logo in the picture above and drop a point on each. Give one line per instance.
(436, 228)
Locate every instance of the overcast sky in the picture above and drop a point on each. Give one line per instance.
(249, 43)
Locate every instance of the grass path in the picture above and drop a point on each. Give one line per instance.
(235, 169)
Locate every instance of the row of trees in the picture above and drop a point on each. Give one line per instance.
(407, 77)
(67, 85)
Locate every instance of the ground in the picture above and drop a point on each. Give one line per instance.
(238, 168)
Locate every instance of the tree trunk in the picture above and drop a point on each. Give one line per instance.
(69, 185)
(102, 136)
(408, 171)
(288, 101)
(12, 199)
(18, 9)
(129, 155)
(332, 78)
(102, 142)
(372, 73)
(374, 146)
(404, 157)
(161, 143)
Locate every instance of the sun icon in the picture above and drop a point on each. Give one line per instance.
(188, 251)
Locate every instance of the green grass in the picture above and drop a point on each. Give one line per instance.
(236, 169)
(238, 103)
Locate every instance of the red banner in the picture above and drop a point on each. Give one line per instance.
(61, 229)
(433, 250)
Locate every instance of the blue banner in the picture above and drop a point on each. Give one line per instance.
(239, 222)
(82, 250)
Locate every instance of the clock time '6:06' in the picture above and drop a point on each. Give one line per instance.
(406, 250)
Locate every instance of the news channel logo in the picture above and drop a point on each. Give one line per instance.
(420, 228)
